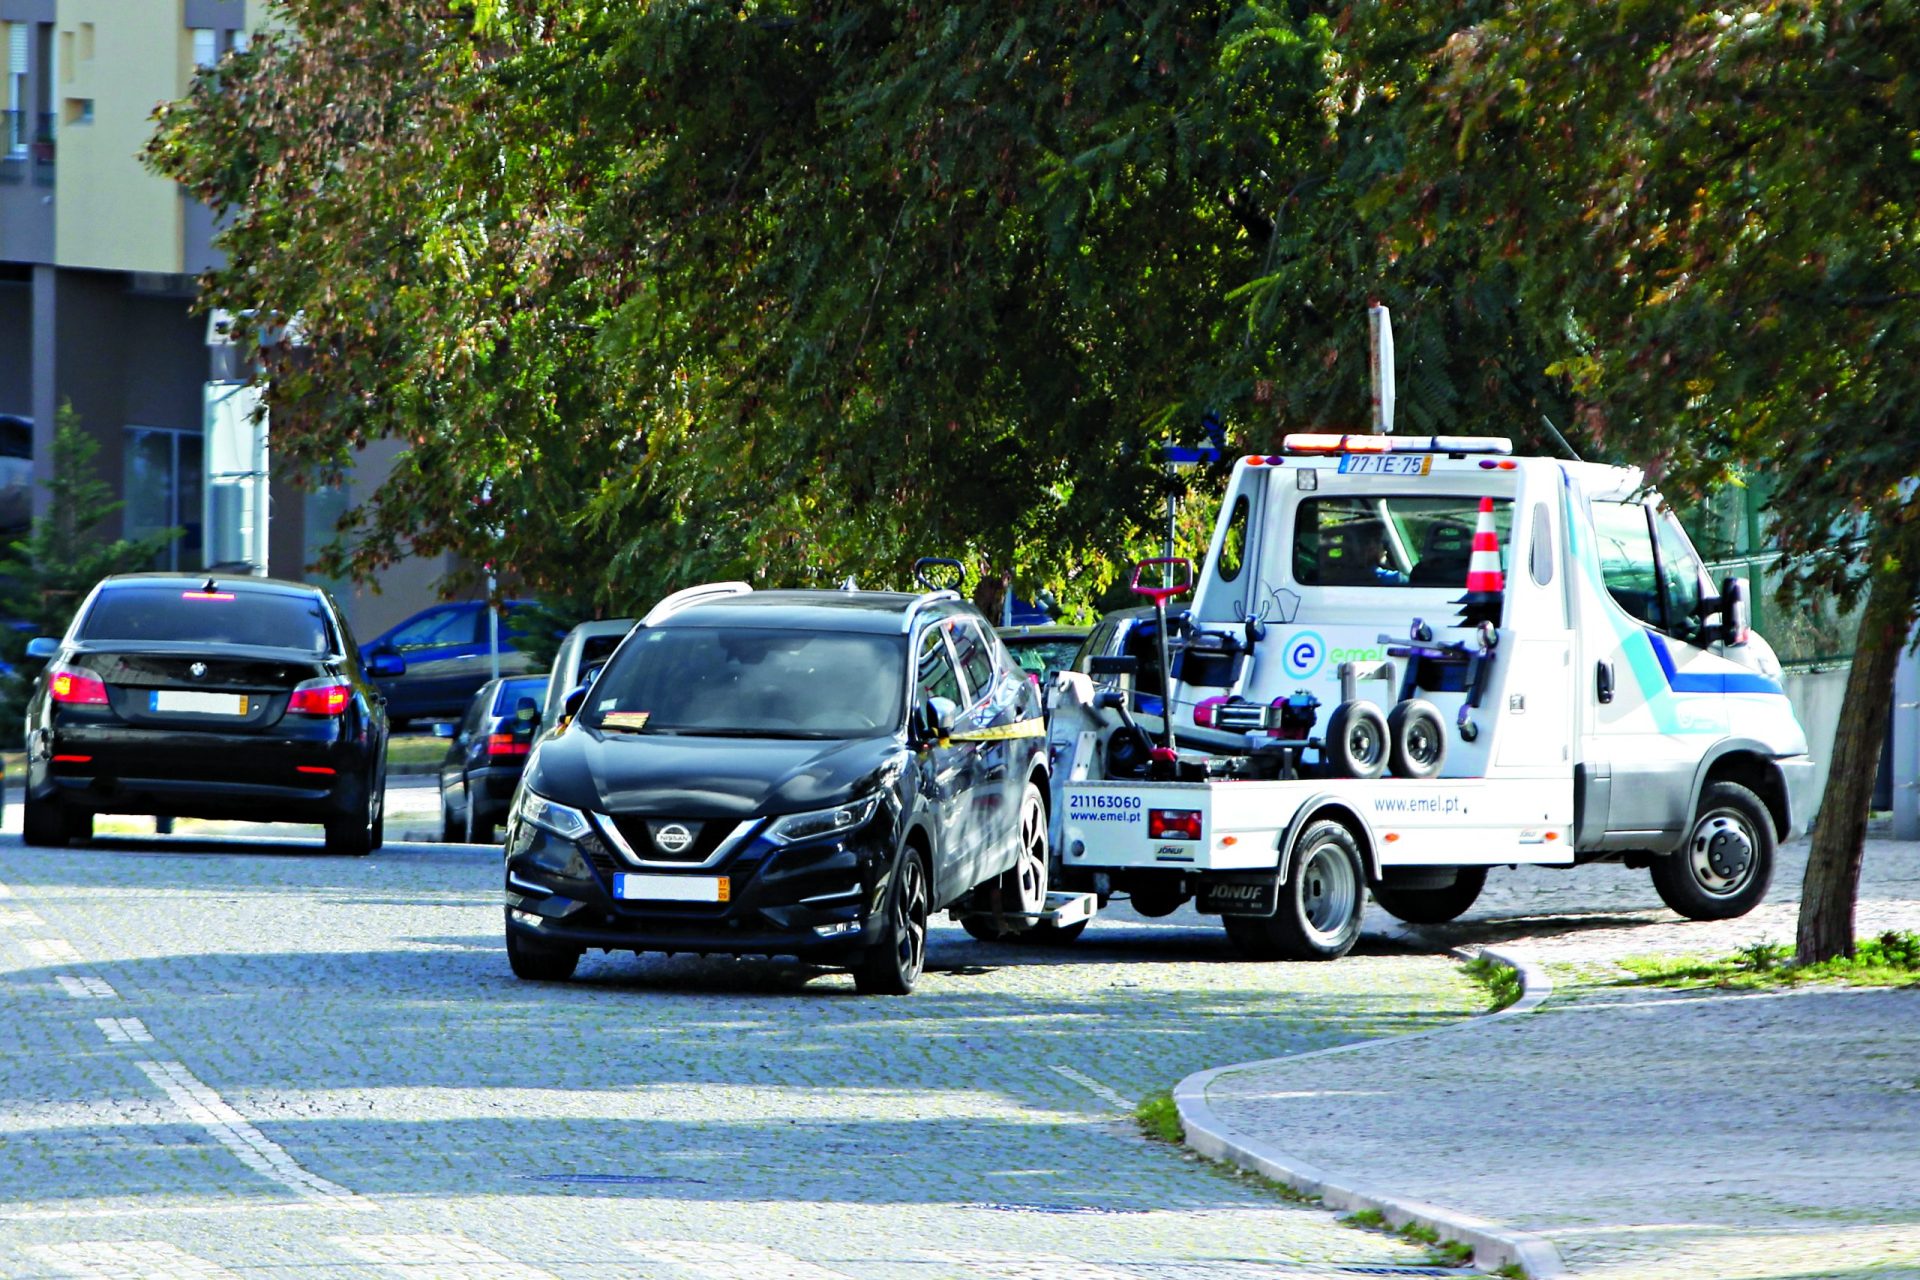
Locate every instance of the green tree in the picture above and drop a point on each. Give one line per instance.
(45, 576)
(1720, 213)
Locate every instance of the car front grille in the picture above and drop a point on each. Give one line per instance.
(643, 833)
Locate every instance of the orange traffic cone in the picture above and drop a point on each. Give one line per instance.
(1486, 584)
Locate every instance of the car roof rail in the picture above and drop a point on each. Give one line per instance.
(689, 596)
(929, 598)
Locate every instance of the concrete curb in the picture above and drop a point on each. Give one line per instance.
(1493, 1245)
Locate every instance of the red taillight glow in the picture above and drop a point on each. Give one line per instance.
(1173, 824)
(206, 595)
(505, 744)
(314, 768)
(76, 686)
(73, 759)
(320, 698)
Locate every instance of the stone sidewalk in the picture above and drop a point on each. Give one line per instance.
(1615, 1132)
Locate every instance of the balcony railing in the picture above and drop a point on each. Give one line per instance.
(26, 137)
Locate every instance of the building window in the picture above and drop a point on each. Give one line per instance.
(16, 132)
(79, 111)
(206, 47)
(163, 474)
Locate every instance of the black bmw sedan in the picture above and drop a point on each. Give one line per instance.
(805, 773)
(190, 696)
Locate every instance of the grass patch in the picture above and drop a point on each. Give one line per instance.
(1501, 981)
(1440, 1252)
(1367, 1218)
(1159, 1119)
(1890, 960)
(414, 750)
(1509, 1271)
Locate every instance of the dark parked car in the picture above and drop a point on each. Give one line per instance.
(446, 650)
(1040, 649)
(485, 759)
(188, 696)
(807, 773)
(584, 651)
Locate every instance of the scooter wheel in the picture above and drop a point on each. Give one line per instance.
(1416, 739)
(1356, 741)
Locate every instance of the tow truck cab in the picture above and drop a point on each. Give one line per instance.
(1619, 694)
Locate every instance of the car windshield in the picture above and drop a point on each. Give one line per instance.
(186, 614)
(511, 691)
(741, 682)
(1041, 654)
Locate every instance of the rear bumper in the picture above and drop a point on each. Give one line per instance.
(199, 775)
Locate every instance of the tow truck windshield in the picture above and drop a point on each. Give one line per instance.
(742, 682)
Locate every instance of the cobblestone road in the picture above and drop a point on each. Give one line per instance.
(229, 1055)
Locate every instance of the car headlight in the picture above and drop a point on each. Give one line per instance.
(823, 822)
(563, 820)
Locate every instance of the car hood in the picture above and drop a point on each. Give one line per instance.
(707, 777)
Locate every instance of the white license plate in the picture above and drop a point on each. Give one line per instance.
(1386, 464)
(203, 704)
(644, 888)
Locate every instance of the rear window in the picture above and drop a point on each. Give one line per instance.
(184, 615)
(511, 691)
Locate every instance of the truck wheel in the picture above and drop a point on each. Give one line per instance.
(1724, 868)
(1356, 741)
(1433, 906)
(892, 965)
(1320, 902)
(1416, 739)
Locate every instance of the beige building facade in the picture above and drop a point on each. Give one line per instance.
(98, 262)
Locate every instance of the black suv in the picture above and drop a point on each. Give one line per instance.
(805, 773)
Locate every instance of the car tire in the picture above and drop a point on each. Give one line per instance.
(1356, 741)
(44, 823)
(1726, 865)
(452, 830)
(163, 825)
(1023, 886)
(1320, 902)
(1433, 906)
(479, 830)
(532, 962)
(894, 962)
(379, 833)
(1416, 739)
(351, 835)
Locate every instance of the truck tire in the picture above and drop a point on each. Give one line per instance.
(1416, 739)
(1432, 906)
(1724, 868)
(1356, 741)
(1320, 902)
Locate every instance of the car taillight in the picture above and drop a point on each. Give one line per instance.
(505, 744)
(320, 698)
(77, 686)
(1173, 824)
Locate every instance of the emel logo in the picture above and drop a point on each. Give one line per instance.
(1304, 654)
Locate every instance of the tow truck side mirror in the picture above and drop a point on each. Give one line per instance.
(1736, 612)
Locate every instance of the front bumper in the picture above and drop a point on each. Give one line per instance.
(1799, 781)
(816, 899)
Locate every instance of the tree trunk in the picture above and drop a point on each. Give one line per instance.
(1839, 834)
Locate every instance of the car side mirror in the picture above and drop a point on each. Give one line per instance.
(575, 700)
(42, 647)
(1736, 612)
(386, 664)
(441, 729)
(937, 716)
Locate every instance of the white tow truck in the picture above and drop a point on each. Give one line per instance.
(1346, 716)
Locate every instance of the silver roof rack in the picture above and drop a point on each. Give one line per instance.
(931, 597)
(691, 596)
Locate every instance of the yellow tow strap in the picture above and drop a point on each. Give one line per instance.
(1034, 728)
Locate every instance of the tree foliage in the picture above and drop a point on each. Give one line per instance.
(45, 576)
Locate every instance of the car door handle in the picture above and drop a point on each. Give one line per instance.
(1603, 682)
